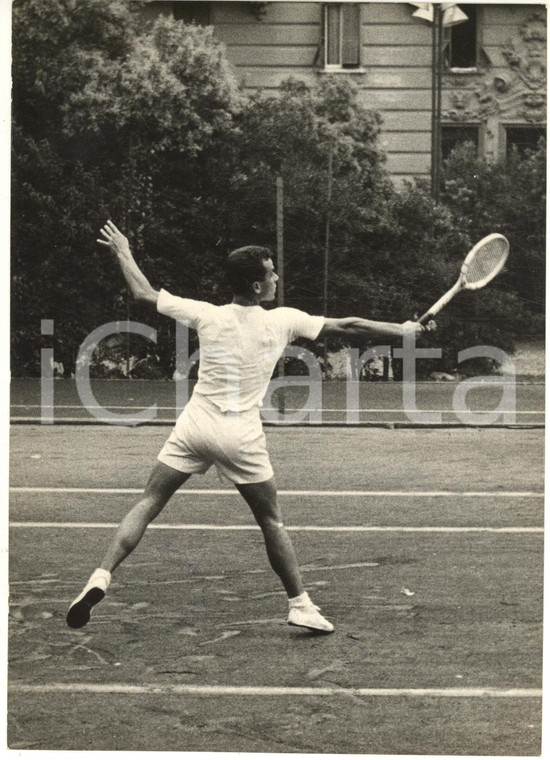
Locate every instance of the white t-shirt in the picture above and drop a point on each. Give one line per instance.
(239, 345)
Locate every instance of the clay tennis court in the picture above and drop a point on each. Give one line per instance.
(423, 546)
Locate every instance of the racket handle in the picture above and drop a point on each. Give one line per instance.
(443, 301)
(425, 317)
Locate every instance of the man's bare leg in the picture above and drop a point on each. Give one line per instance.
(262, 499)
(162, 484)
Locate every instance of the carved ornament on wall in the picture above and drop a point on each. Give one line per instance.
(518, 93)
(460, 110)
(529, 61)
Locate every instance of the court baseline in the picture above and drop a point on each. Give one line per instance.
(296, 528)
(287, 492)
(283, 691)
(364, 410)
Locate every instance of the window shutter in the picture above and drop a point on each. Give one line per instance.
(332, 34)
(351, 34)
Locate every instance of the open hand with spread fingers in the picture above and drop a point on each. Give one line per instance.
(114, 239)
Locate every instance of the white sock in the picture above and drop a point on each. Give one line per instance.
(299, 601)
(105, 575)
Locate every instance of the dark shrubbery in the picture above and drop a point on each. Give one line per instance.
(144, 124)
(426, 244)
(507, 197)
(111, 120)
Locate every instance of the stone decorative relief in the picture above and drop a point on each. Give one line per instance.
(519, 93)
(529, 61)
(460, 110)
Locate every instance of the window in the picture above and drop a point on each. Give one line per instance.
(523, 138)
(342, 36)
(198, 12)
(455, 135)
(461, 50)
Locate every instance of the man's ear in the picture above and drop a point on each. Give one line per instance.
(257, 288)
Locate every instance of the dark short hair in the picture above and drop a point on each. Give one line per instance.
(245, 266)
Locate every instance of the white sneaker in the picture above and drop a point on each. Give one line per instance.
(308, 616)
(93, 592)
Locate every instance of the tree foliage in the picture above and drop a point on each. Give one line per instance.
(144, 124)
(507, 197)
(107, 114)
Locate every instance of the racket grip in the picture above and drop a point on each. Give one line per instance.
(425, 318)
(438, 305)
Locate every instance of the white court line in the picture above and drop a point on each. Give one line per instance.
(333, 494)
(319, 528)
(332, 410)
(269, 691)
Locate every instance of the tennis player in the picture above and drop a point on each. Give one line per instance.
(240, 344)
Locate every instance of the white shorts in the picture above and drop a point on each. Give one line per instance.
(204, 436)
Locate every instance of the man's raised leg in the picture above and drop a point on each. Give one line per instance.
(162, 484)
(262, 499)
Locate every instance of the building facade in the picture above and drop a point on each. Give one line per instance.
(489, 66)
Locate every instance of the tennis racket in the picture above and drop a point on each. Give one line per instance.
(484, 262)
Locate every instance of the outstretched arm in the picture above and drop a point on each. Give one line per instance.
(139, 285)
(354, 327)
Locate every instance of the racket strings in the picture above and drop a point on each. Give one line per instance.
(487, 262)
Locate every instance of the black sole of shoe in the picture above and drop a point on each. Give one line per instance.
(80, 612)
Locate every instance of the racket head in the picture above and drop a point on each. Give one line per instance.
(484, 261)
